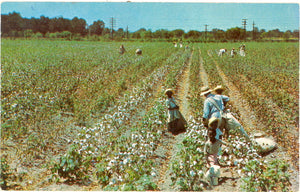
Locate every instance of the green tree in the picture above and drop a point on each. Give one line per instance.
(235, 33)
(218, 34)
(120, 33)
(28, 33)
(275, 33)
(178, 33)
(287, 34)
(78, 26)
(11, 22)
(43, 25)
(161, 34)
(193, 34)
(60, 24)
(97, 28)
(146, 34)
(296, 34)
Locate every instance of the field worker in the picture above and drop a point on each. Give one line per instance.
(242, 50)
(222, 52)
(211, 104)
(211, 150)
(213, 145)
(181, 45)
(175, 44)
(138, 52)
(122, 49)
(232, 52)
(232, 121)
(176, 122)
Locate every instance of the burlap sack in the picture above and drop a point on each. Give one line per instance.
(264, 144)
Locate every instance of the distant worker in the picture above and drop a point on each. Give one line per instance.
(138, 52)
(181, 44)
(243, 50)
(222, 52)
(233, 52)
(122, 49)
(175, 44)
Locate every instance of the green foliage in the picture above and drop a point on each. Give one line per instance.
(111, 97)
(145, 183)
(266, 176)
(9, 178)
(71, 166)
(5, 174)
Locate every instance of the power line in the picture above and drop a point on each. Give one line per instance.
(112, 25)
(253, 33)
(206, 31)
(244, 22)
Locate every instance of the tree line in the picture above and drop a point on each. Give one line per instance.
(13, 26)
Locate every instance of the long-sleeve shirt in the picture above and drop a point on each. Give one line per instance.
(209, 110)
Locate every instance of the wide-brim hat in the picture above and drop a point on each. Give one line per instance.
(213, 119)
(219, 87)
(169, 91)
(205, 90)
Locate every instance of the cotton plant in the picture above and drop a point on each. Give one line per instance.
(263, 175)
(129, 163)
(118, 159)
(238, 151)
(189, 166)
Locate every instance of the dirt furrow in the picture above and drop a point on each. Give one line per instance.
(172, 145)
(270, 103)
(203, 74)
(252, 124)
(248, 117)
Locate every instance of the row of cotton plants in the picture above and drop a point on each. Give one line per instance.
(119, 115)
(190, 165)
(189, 169)
(144, 139)
(240, 156)
(119, 141)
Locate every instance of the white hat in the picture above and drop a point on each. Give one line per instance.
(205, 90)
(219, 87)
(213, 119)
(169, 90)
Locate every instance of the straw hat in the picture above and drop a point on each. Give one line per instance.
(213, 119)
(169, 91)
(219, 87)
(205, 90)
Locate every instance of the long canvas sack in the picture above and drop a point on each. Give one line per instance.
(231, 122)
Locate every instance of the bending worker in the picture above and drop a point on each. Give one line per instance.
(210, 110)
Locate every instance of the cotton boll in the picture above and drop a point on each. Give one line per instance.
(192, 173)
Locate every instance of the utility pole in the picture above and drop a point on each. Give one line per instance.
(127, 33)
(206, 31)
(112, 24)
(89, 30)
(244, 24)
(253, 32)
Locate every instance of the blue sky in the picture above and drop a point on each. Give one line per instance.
(166, 15)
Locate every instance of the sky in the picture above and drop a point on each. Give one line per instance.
(169, 15)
